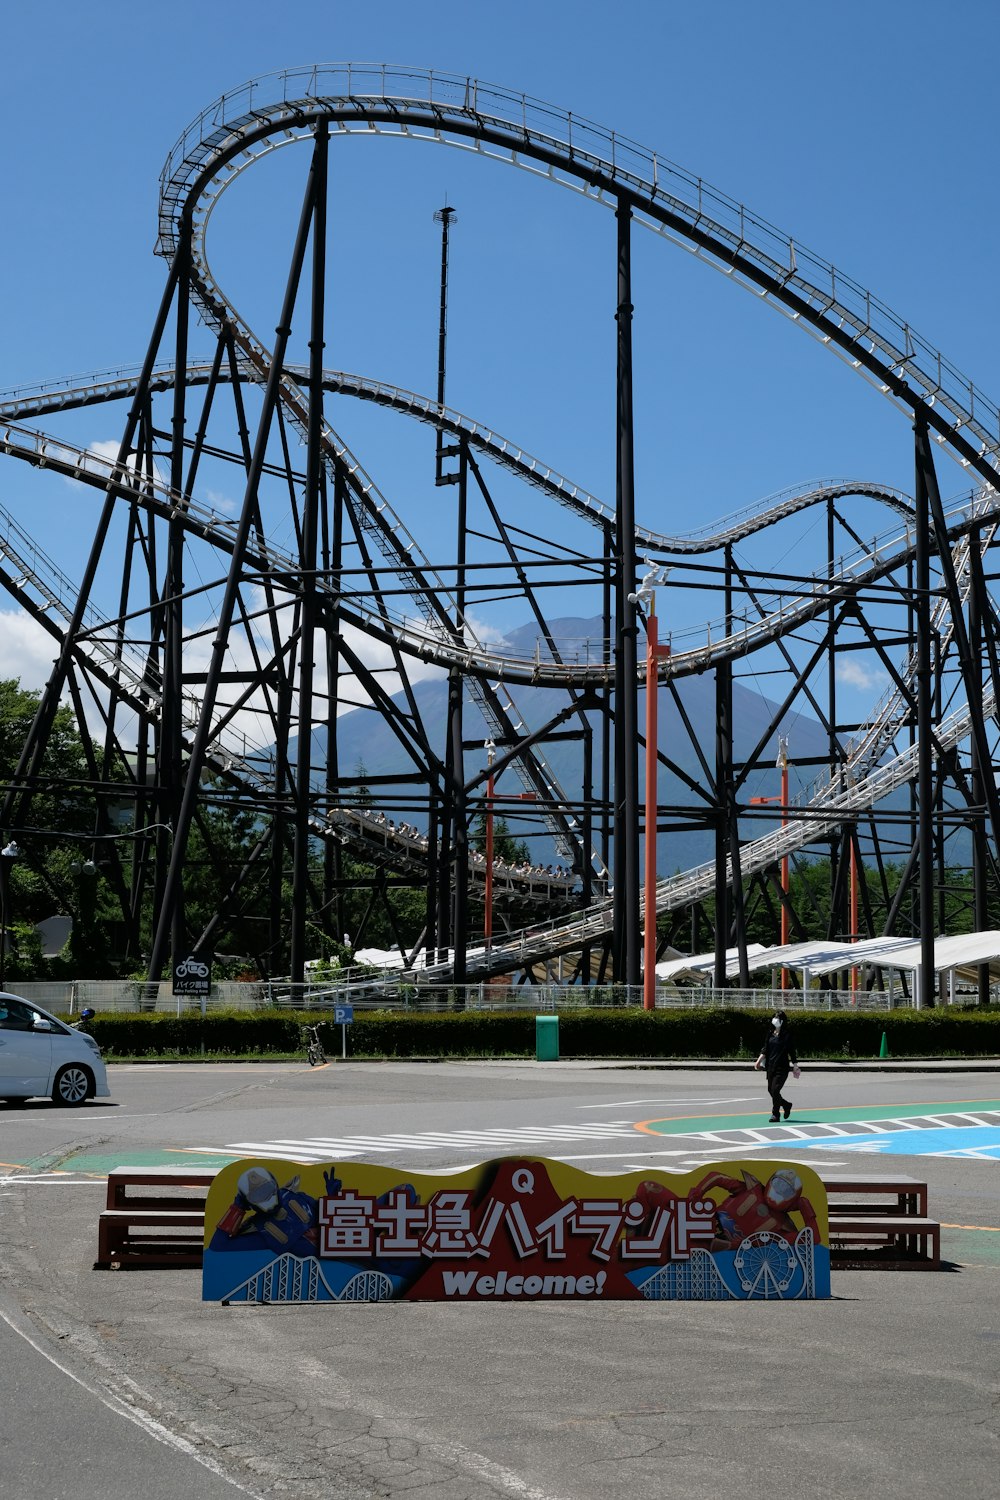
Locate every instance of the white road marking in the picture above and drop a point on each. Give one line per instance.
(47, 1179)
(500, 1139)
(621, 1103)
(851, 1135)
(133, 1412)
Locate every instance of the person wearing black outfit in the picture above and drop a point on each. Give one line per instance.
(777, 1058)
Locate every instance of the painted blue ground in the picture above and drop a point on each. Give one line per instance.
(979, 1142)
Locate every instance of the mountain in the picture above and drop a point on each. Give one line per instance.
(367, 742)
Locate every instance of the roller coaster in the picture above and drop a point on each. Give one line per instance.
(220, 650)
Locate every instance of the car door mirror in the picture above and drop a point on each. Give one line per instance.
(41, 1024)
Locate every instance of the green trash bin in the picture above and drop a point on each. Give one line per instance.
(546, 1038)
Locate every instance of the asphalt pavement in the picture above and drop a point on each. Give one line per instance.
(888, 1389)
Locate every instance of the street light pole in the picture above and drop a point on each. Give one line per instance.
(655, 653)
(782, 765)
(785, 923)
(8, 854)
(854, 913)
(491, 751)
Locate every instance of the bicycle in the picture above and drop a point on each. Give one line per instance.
(314, 1047)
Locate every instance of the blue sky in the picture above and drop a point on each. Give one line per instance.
(865, 130)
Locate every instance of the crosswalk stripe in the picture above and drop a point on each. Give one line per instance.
(855, 1135)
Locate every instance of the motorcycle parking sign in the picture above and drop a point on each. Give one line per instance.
(193, 974)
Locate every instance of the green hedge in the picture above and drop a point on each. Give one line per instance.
(631, 1033)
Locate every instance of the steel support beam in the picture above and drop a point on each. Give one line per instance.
(925, 749)
(309, 554)
(628, 939)
(204, 730)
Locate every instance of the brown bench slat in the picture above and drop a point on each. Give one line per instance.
(153, 1252)
(150, 1214)
(910, 1193)
(128, 1235)
(122, 1179)
(886, 1232)
(848, 1208)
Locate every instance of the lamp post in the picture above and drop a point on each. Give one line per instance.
(8, 854)
(782, 764)
(655, 653)
(491, 751)
(854, 913)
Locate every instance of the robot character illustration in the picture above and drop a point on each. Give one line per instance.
(755, 1207)
(284, 1220)
(264, 1215)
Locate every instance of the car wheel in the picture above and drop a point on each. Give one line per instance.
(72, 1086)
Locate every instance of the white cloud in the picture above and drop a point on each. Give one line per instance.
(854, 673)
(107, 448)
(27, 651)
(224, 504)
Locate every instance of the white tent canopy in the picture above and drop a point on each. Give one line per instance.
(698, 965)
(961, 955)
(800, 955)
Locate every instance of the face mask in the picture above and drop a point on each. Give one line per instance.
(775, 1022)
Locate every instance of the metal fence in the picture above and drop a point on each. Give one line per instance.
(69, 997)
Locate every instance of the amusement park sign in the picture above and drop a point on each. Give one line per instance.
(521, 1228)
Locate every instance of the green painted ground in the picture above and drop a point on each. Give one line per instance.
(100, 1164)
(972, 1246)
(842, 1115)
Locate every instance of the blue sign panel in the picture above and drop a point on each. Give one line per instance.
(343, 1015)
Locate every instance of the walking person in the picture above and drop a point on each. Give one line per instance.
(778, 1058)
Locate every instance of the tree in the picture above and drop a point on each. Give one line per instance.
(57, 818)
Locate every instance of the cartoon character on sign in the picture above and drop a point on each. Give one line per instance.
(754, 1207)
(286, 1220)
(264, 1215)
(650, 1196)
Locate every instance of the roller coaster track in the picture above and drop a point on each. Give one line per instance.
(269, 112)
(916, 376)
(38, 584)
(114, 385)
(782, 611)
(857, 786)
(541, 942)
(280, 109)
(374, 841)
(235, 132)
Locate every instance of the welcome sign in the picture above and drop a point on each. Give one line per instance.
(515, 1229)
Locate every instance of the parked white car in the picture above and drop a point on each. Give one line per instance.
(40, 1054)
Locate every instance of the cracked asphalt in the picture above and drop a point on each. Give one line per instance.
(890, 1389)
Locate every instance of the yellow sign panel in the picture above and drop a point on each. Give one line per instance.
(519, 1228)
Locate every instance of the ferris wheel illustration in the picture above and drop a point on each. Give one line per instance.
(765, 1264)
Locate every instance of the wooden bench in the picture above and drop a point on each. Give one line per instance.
(142, 1236)
(155, 1216)
(123, 1182)
(871, 1235)
(901, 1242)
(909, 1192)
